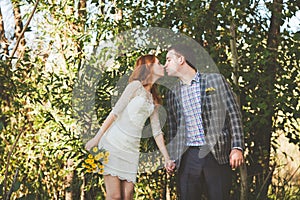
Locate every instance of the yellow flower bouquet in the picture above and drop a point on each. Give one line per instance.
(94, 160)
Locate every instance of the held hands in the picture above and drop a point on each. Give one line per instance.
(170, 166)
(236, 158)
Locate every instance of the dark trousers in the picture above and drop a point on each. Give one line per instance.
(198, 176)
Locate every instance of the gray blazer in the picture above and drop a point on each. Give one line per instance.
(221, 118)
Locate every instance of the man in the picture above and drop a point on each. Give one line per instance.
(205, 127)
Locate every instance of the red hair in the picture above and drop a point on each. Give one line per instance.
(143, 72)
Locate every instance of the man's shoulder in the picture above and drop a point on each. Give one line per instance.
(175, 84)
(210, 76)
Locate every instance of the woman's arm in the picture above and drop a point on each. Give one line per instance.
(106, 124)
(169, 164)
(159, 139)
(116, 111)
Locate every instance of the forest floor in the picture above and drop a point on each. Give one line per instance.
(287, 158)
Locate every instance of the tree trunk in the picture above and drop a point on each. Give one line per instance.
(19, 28)
(79, 28)
(211, 27)
(235, 65)
(82, 10)
(264, 132)
(82, 193)
(69, 180)
(3, 40)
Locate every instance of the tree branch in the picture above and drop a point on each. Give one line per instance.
(12, 185)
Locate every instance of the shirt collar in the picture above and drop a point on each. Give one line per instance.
(195, 79)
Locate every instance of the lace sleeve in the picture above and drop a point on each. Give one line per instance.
(155, 123)
(126, 96)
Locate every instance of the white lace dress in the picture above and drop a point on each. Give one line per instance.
(122, 139)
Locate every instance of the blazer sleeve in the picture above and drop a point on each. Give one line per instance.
(234, 115)
(171, 115)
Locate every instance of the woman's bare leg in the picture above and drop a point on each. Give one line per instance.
(113, 187)
(127, 190)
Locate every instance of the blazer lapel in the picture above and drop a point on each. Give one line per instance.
(203, 84)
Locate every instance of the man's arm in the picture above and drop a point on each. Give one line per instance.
(236, 157)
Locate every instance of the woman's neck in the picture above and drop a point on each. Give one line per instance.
(148, 87)
(150, 83)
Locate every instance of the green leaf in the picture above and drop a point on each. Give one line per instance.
(16, 186)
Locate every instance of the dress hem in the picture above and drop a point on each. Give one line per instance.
(121, 178)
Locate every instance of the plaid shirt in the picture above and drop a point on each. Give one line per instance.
(192, 112)
(221, 119)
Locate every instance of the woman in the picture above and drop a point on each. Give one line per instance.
(121, 131)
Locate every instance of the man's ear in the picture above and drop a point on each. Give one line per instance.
(181, 59)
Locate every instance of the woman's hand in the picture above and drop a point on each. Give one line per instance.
(91, 143)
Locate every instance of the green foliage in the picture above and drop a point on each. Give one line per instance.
(48, 117)
(40, 113)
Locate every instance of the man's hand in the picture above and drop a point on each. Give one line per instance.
(236, 158)
(170, 166)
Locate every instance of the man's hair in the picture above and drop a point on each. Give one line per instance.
(187, 52)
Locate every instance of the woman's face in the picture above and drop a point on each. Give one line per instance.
(158, 69)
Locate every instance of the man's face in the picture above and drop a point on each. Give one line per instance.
(172, 63)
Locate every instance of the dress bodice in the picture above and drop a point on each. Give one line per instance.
(133, 108)
(140, 108)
